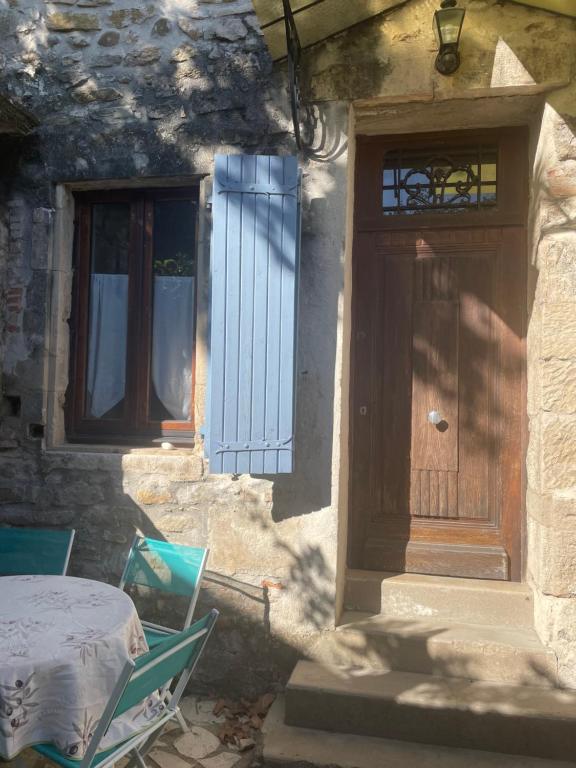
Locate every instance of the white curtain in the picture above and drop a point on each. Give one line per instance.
(172, 344)
(106, 383)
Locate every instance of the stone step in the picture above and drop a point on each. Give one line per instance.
(516, 720)
(287, 746)
(508, 655)
(463, 601)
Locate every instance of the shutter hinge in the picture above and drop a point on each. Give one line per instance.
(258, 189)
(284, 444)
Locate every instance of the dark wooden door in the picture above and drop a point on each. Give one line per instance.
(437, 398)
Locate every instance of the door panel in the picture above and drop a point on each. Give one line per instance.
(438, 325)
(435, 385)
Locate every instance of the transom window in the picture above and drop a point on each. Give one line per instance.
(428, 180)
(134, 316)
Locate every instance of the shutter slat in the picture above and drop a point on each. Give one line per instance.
(261, 254)
(231, 357)
(254, 298)
(290, 237)
(273, 340)
(246, 316)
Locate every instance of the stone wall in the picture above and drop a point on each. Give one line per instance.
(551, 495)
(135, 93)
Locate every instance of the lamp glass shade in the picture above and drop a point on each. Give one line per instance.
(448, 25)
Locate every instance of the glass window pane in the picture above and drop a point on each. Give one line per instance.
(108, 311)
(174, 275)
(428, 181)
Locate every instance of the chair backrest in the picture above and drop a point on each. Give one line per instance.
(171, 658)
(25, 551)
(174, 657)
(174, 568)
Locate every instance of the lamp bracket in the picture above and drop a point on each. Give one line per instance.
(302, 115)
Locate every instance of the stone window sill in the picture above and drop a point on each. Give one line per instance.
(179, 465)
(148, 450)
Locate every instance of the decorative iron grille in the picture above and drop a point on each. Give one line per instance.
(429, 180)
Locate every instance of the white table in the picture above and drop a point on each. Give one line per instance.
(63, 642)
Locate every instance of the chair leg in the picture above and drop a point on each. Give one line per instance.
(139, 759)
(182, 721)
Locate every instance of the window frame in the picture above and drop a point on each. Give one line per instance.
(136, 426)
(512, 169)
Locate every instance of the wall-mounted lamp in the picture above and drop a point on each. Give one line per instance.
(448, 22)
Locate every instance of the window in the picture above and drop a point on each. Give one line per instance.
(133, 324)
(428, 180)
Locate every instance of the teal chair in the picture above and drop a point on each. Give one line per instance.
(174, 658)
(172, 568)
(26, 551)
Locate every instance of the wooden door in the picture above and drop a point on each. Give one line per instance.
(437, 397)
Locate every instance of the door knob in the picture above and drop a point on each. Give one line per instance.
(434, 417)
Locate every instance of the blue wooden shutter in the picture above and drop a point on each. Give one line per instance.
(255, 248)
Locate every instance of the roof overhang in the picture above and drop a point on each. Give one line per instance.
(316, 20)
(14, 120)
(564, 7)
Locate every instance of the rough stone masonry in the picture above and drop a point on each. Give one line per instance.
(140, 92)
(130, 92)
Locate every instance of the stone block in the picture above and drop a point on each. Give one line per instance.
(561, 180)
(534, 386)
(106, 60)
(76, 494)
(162, 27)
(559, 386)
(89, 92)
(70, 22)
(559, 330)
(124, 17)
(558, 452)
(552, 559)
(230, 30)
(216, 9)
(179, 467)
(109, 39)
(555, 510)
(555, 621)
(554, 214)
(533, 457)
(564, 138)
(184, 52)
(153, 495)
(143, 56)
(79, 460)
(191, 28)
(557, 265)
(41, 225)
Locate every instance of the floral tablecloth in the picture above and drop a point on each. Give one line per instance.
(63, 643)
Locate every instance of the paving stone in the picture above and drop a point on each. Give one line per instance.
(198, 743)
(197, 710)
(223, 760)
(168, 760)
